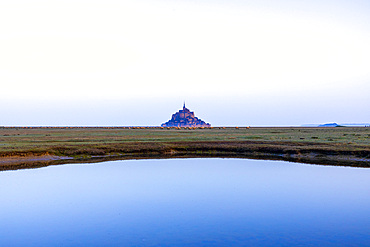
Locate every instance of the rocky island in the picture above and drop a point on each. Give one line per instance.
(185, 118)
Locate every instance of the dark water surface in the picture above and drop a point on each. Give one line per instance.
(186, 202)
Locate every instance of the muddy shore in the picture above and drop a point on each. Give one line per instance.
(325, 155)
(28, 147)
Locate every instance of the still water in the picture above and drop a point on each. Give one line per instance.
(186, 202)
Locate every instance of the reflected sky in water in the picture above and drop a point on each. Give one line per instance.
(186, 202)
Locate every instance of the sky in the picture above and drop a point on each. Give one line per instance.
(235, 63)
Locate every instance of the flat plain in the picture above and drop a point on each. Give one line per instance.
(297, 143)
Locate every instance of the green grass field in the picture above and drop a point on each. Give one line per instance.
(79, 142)
(24, 139)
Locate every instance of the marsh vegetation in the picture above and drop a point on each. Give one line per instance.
(287, 143)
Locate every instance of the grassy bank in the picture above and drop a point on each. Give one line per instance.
(311, 145)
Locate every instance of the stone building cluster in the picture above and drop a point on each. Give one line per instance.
(185, 118)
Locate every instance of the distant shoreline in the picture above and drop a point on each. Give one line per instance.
(38, 147)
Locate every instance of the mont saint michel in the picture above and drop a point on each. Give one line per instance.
(185, 118)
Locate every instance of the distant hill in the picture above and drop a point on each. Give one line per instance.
(338, 125)
(329, 125)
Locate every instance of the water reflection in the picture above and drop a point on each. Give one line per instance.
(185, 202)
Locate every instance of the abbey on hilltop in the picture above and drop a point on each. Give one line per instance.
(185, 118)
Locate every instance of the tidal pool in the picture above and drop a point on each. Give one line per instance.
(186, 202)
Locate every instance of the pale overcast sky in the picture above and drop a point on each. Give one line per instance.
(135, 62)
